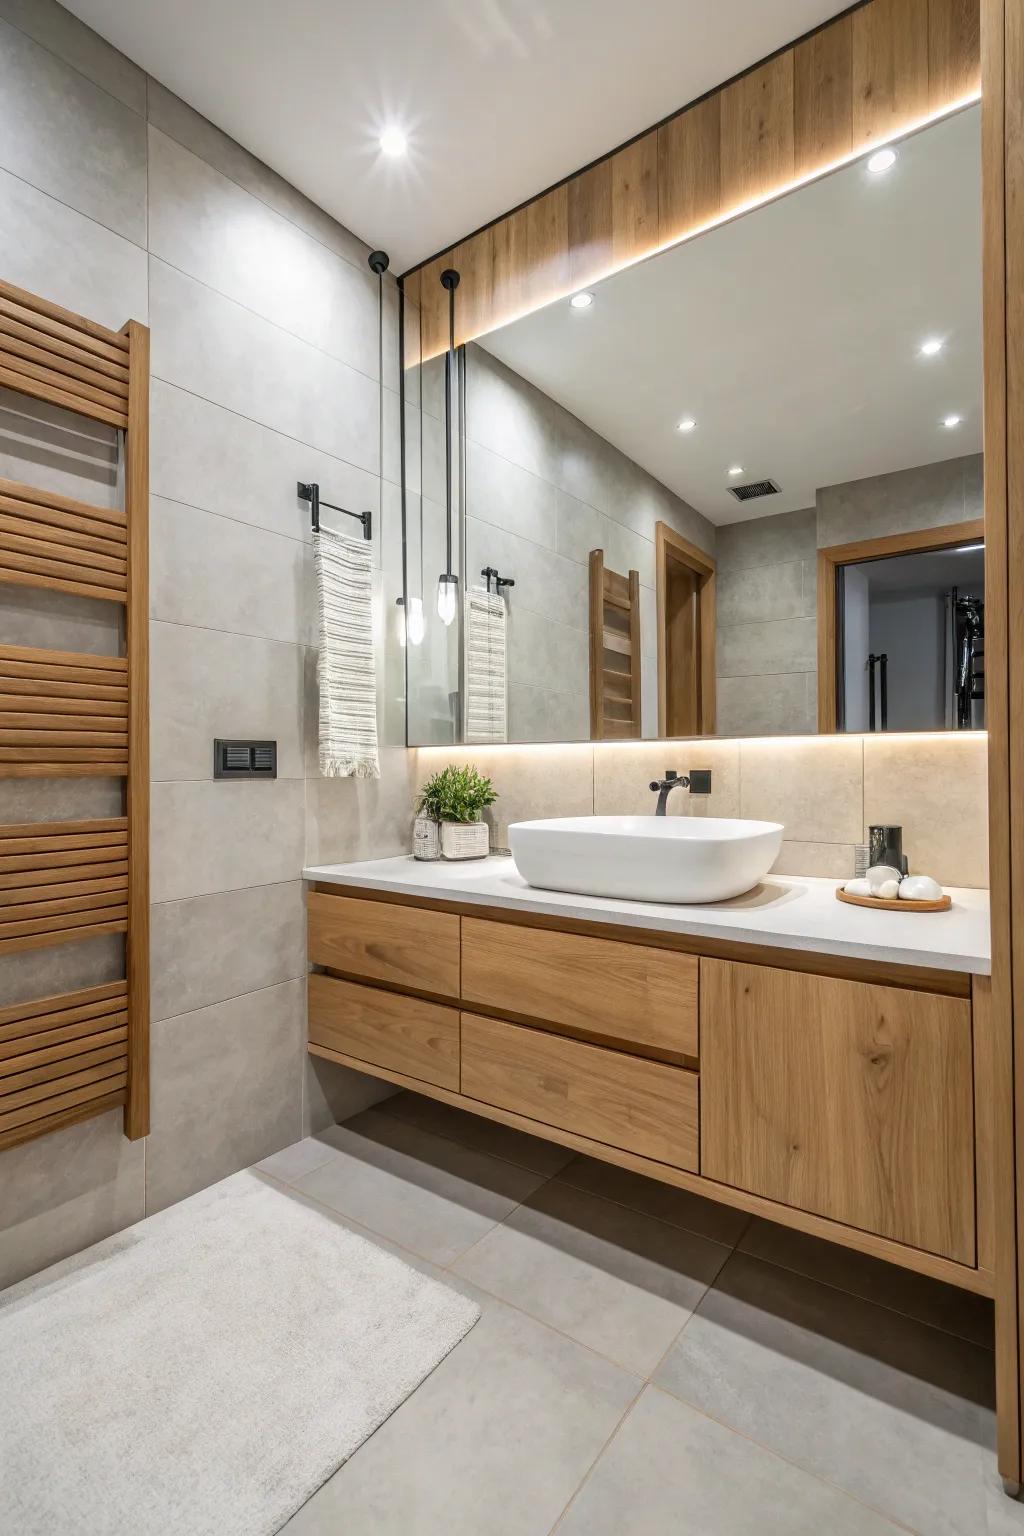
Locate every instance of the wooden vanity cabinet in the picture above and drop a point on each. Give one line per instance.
(848, 1100)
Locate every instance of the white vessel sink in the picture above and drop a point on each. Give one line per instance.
(646, 858)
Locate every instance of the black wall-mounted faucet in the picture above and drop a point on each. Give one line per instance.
(697, 781)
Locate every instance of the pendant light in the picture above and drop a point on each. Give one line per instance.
(448, 582)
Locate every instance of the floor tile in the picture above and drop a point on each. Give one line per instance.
(426, 1192)
(294, 1162)
(612, 1278)
(671, 1471)
(721, 1223)
(930, 1301)
(494, 1441)
(893, 1411)
(476, 1131)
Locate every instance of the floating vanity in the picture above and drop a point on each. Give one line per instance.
(817, 1064)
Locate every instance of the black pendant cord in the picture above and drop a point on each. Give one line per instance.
(450, 281)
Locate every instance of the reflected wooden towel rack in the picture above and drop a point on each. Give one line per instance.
(614, 652)
(66, 714)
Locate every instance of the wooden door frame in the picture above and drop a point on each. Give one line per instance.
(671, 548)
(830, 561)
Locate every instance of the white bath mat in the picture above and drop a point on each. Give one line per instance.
(204, 1372)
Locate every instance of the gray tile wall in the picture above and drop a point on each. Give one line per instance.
(118, 200)
(542, 491)
(767, 585)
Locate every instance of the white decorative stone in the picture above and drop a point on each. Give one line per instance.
(888, 890)
(920, 888)
(879, 875)
(858, 887)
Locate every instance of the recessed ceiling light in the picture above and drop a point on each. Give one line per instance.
(951, 421)
(687, 424)
(931, 346)
(736, 469)
(881, 161)
(581, 300)
(393, 142)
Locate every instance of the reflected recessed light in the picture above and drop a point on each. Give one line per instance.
(687, 424)
(736, 469)
(951, 421)
(393, 142)
(581, 300)
(881, 161)
(931, 346)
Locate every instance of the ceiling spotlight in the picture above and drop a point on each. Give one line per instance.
(931, 346)
(881, 161)
(581, 300)
(687, 424)
(951, 421)
(393, 142)
(735, 469)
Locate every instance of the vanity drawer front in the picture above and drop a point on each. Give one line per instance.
(405, 946)
(385, 1029)
(632, 994)
(641, 1106)
(841, 1098)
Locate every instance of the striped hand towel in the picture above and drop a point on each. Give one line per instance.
(486, 685)
(345, 667)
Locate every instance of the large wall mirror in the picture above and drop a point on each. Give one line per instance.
(735, 489)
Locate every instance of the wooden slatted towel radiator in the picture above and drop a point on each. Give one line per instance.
(67, 714)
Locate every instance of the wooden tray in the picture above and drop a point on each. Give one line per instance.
(888, 904)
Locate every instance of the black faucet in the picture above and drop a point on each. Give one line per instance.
(697, 781)
(665, 786)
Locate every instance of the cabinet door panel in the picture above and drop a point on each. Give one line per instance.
(384, 941)
(385, 1029)
(848, 1100)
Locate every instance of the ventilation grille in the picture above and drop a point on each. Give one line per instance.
(754, 489)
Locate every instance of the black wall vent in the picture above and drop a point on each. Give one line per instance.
(755, 488)
(244, 759)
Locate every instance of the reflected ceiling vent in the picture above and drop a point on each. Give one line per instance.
(753, 489)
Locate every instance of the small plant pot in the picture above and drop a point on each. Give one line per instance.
(465, 839)
(426, 839)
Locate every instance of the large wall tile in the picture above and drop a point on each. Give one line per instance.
(830, 861)
(205, 683)
(500, 492)
(815, 788)
(227, 1090)
(362, 818)
(60, 621)
(214, 572)
(216, 347)
(531, 781)
(57, 450)
(211, 948)
(752, 594)
(878, 505)
(936, 788)
(100, 168)
(545, 583)
(212, 458)
(62, 1192)
(51, 250)
(543, 652)
(51, 799)
(174, 118)
(205, 225)
(333, 1093)
(78, 45)
(761, 541)
(623, 772)
(778, 646)
(64, 968)
(220, 836)
(783, 705)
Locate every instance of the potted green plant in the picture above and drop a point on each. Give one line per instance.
(449, 820)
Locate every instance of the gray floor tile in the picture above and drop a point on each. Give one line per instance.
(294, 1162)
(426, 1192)
(930, 1301)
(721, 1223)
(495, 1440)
(616, 1280)
(670, 1471)
(897, 1413)
(475, 1131)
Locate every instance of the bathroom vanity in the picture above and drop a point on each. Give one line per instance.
(823, 1066)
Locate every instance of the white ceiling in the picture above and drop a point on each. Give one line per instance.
(791, 335)
(499, 98)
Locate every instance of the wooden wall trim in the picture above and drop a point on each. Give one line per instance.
(869, 75)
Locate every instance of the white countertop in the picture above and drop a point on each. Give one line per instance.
(785, 911)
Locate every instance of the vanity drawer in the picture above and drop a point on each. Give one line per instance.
(405, 946)
(385, 1029)
(632, 994)
(623, 1101)
(841, 1098)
